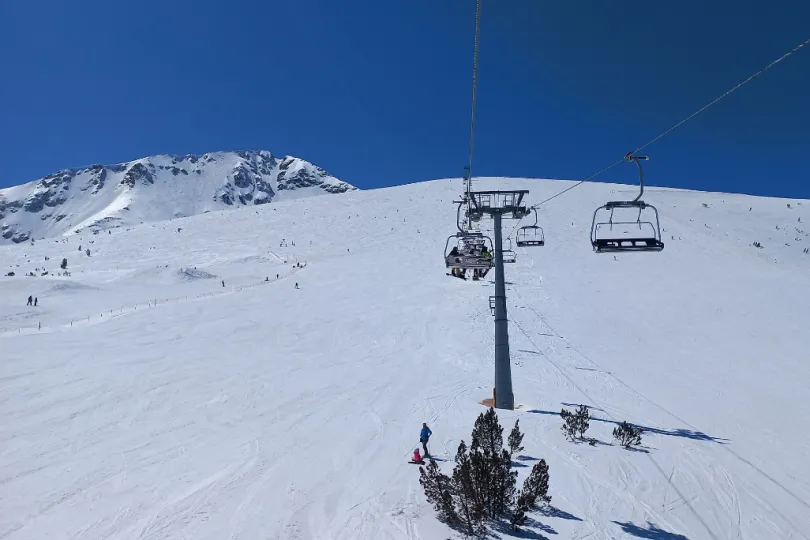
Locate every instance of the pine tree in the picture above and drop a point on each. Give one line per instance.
(439, 492)
(569, 427)
(505, 485)
(515, 439)
(627, 435)
(583, 417)
(519, 515)
(467, 507)
(491, 466)
(482, 476)
(576, 423)
(536, 485)
(64, 264)
(487, 433)
(487, 442)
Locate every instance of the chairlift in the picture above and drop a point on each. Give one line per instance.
(609, 235)
(468, 251)
(531, 235)
(509, 255)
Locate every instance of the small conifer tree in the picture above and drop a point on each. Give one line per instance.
(576, 423)
(535, 487)
(515, 439)
(519, 515)
(627, 435)
(439, 492)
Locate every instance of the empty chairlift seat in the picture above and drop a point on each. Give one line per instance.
(531, 235)
(627, 225)
(609, 234)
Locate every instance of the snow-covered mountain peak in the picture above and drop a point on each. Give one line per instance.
(155, 188)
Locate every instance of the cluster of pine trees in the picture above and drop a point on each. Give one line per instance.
(483, 486)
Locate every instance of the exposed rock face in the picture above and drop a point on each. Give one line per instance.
(152, 189)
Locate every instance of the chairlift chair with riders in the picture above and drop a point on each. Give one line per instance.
(644, 234)
(469, 251)
(531, 235)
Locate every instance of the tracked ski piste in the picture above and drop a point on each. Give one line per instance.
(256, 410)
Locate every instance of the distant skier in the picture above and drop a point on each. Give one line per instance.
(36, 301)
(30, 301)
(296, 285)
(417, 458)
(223, 282)
(424, 435)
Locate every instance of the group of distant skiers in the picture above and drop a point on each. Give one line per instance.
(32, 301)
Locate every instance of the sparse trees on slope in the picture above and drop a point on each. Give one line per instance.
(483, 484)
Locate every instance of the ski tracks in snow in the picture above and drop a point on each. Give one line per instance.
(593, 381)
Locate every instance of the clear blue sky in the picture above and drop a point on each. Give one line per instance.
(378, 92)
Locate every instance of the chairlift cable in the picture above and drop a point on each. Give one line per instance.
(749, 79)
(474, 85)
(674, 127)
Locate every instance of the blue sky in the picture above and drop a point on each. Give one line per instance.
(378, 93)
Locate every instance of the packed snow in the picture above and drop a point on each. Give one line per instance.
(177, 384)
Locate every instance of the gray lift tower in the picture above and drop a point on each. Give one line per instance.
(499, 204)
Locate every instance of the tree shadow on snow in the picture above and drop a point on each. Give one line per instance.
(551, 511)
(594, 442)
(638, 449)
(529, 530)
(526, 458)
(651, 532)
(685, 433)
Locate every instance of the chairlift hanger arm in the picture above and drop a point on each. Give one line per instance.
(630, 157)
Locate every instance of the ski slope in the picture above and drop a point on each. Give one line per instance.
(257, 410)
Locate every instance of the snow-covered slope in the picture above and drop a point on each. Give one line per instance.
(155, 188)
(258, 410)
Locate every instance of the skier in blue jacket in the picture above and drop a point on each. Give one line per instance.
(424, 435)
